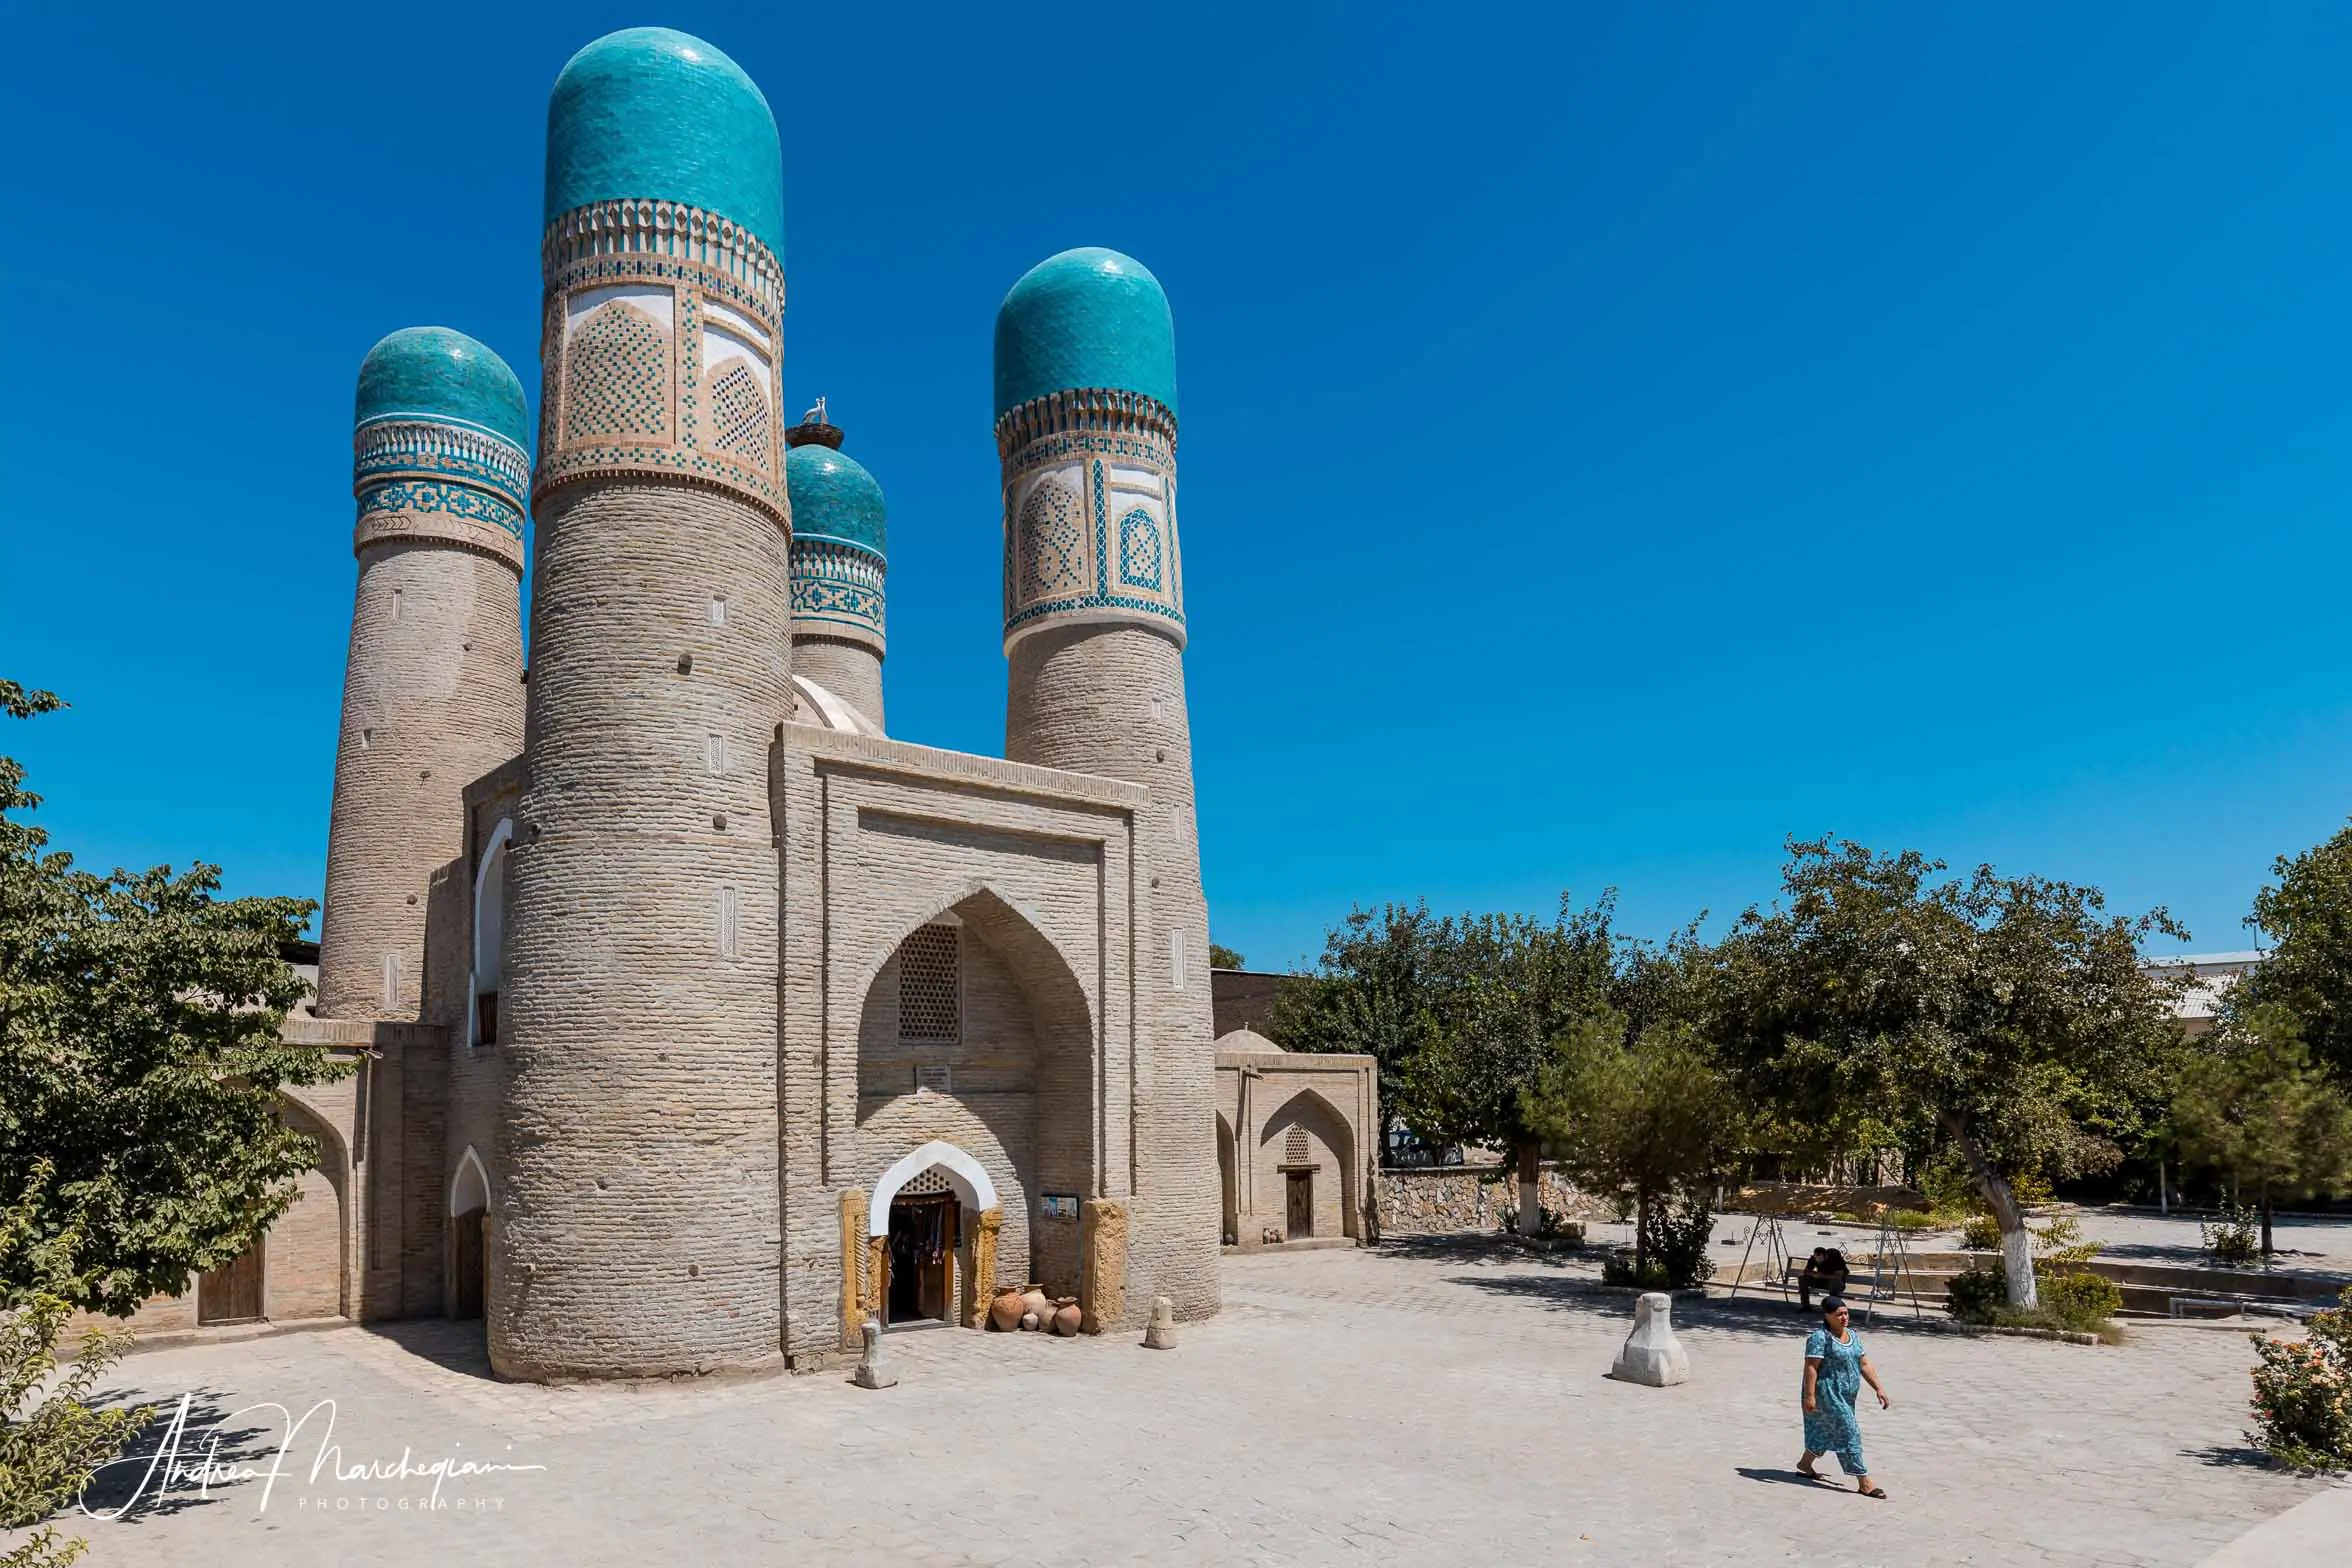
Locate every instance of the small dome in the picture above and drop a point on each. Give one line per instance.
(1085, 318)
(436, 373)
(833, 497)
(1245, 1039)
(651, 113)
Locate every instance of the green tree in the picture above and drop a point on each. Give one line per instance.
(52, 1439)
(2008, 1017)
(1509, 989)
(2306, 921)
(1223, 957)
(1651, 1113)
(1373, 993)
(140, 1062)
(2258, 1109)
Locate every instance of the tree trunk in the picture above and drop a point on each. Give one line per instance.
(1530, 1191)
(1641, 1235)
(2266, 1222)
(2016, 1240)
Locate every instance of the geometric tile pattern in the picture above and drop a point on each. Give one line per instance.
(838, 583)
(929, 995)
(444, 500)
(619, 381)
(1052, 549)
(1139, 550)
(740, 413)
(1097, 554)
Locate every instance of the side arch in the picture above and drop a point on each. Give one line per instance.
(1312, 1114)
(489, 940)
(964, 1173)
(307, 1254)
(469, 1188)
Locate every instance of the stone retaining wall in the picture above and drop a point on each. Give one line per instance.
(1439, 1199)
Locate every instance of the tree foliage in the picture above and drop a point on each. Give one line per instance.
(2255, 1107)
(52, 1439)
(140, 1062)
(1223, 957)
(1651, 1114)
(2306, 921)
(2007, 1016)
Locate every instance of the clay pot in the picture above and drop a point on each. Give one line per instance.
(1004, 1313)
(1065, 1320)
(1029, 1321)
(1034, 1301)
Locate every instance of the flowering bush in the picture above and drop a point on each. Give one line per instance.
(1980, 1233)
(2303, 1394)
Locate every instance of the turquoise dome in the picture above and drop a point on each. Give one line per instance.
(833, 497)
(436, 373)
(1085, 318)
(651, 113)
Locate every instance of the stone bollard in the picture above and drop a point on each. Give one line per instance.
(874, 1369)
(1160, 1332)
(1652, 1354)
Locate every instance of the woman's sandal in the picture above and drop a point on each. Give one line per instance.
(1870, 1491)
(1809, 1473)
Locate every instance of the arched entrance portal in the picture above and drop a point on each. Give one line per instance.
(922, 1211)
(469, 1222)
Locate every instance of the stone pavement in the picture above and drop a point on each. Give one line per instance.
(1439, 1402)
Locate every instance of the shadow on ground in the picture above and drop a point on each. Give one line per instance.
(178, 1459)
(457, 1344)
(1758, 1317)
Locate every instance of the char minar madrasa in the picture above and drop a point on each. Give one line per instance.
(699, 1020)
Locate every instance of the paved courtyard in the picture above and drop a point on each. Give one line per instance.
(1433, 1403)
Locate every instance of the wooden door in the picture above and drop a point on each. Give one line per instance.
(232, 1292)
(1300, 1220)
(467, 1264)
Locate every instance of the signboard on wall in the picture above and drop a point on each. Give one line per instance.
(1058, 1205)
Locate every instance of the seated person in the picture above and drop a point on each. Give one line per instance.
(1825, 1271)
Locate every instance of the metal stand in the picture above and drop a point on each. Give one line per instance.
(1892, 1251)
(1767, 1226)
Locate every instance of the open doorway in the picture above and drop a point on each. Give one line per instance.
(921, 1259)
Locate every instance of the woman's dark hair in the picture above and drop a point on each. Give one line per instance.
(1831, 1304)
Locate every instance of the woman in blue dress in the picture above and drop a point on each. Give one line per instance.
(1835, 1370)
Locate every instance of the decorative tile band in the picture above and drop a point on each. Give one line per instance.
(1096, 410)
(661, 353)
(837, 591)
(452, 513)
(1090, 530)
(626, 235)
(385, 449)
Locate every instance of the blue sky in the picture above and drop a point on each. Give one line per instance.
(1616, 437)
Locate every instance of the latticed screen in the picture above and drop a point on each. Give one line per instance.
(1294, 1147)
(927, 985)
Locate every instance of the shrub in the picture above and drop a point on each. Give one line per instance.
(1978, 1295)
(1912, 1220)
(1617, 1269)
(1980, 1233)
(2303, 1394)
(2082, 1300)
(2236, 1237)
(1679, 1233)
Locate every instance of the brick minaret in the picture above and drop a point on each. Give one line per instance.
(838, 565)
(432, 690)
(1094, 633)
(635, 1232)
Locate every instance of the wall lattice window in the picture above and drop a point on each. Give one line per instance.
(1052, 553)
(618, 377)
(740, 415)
(1294, 1147)
(930, 999)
